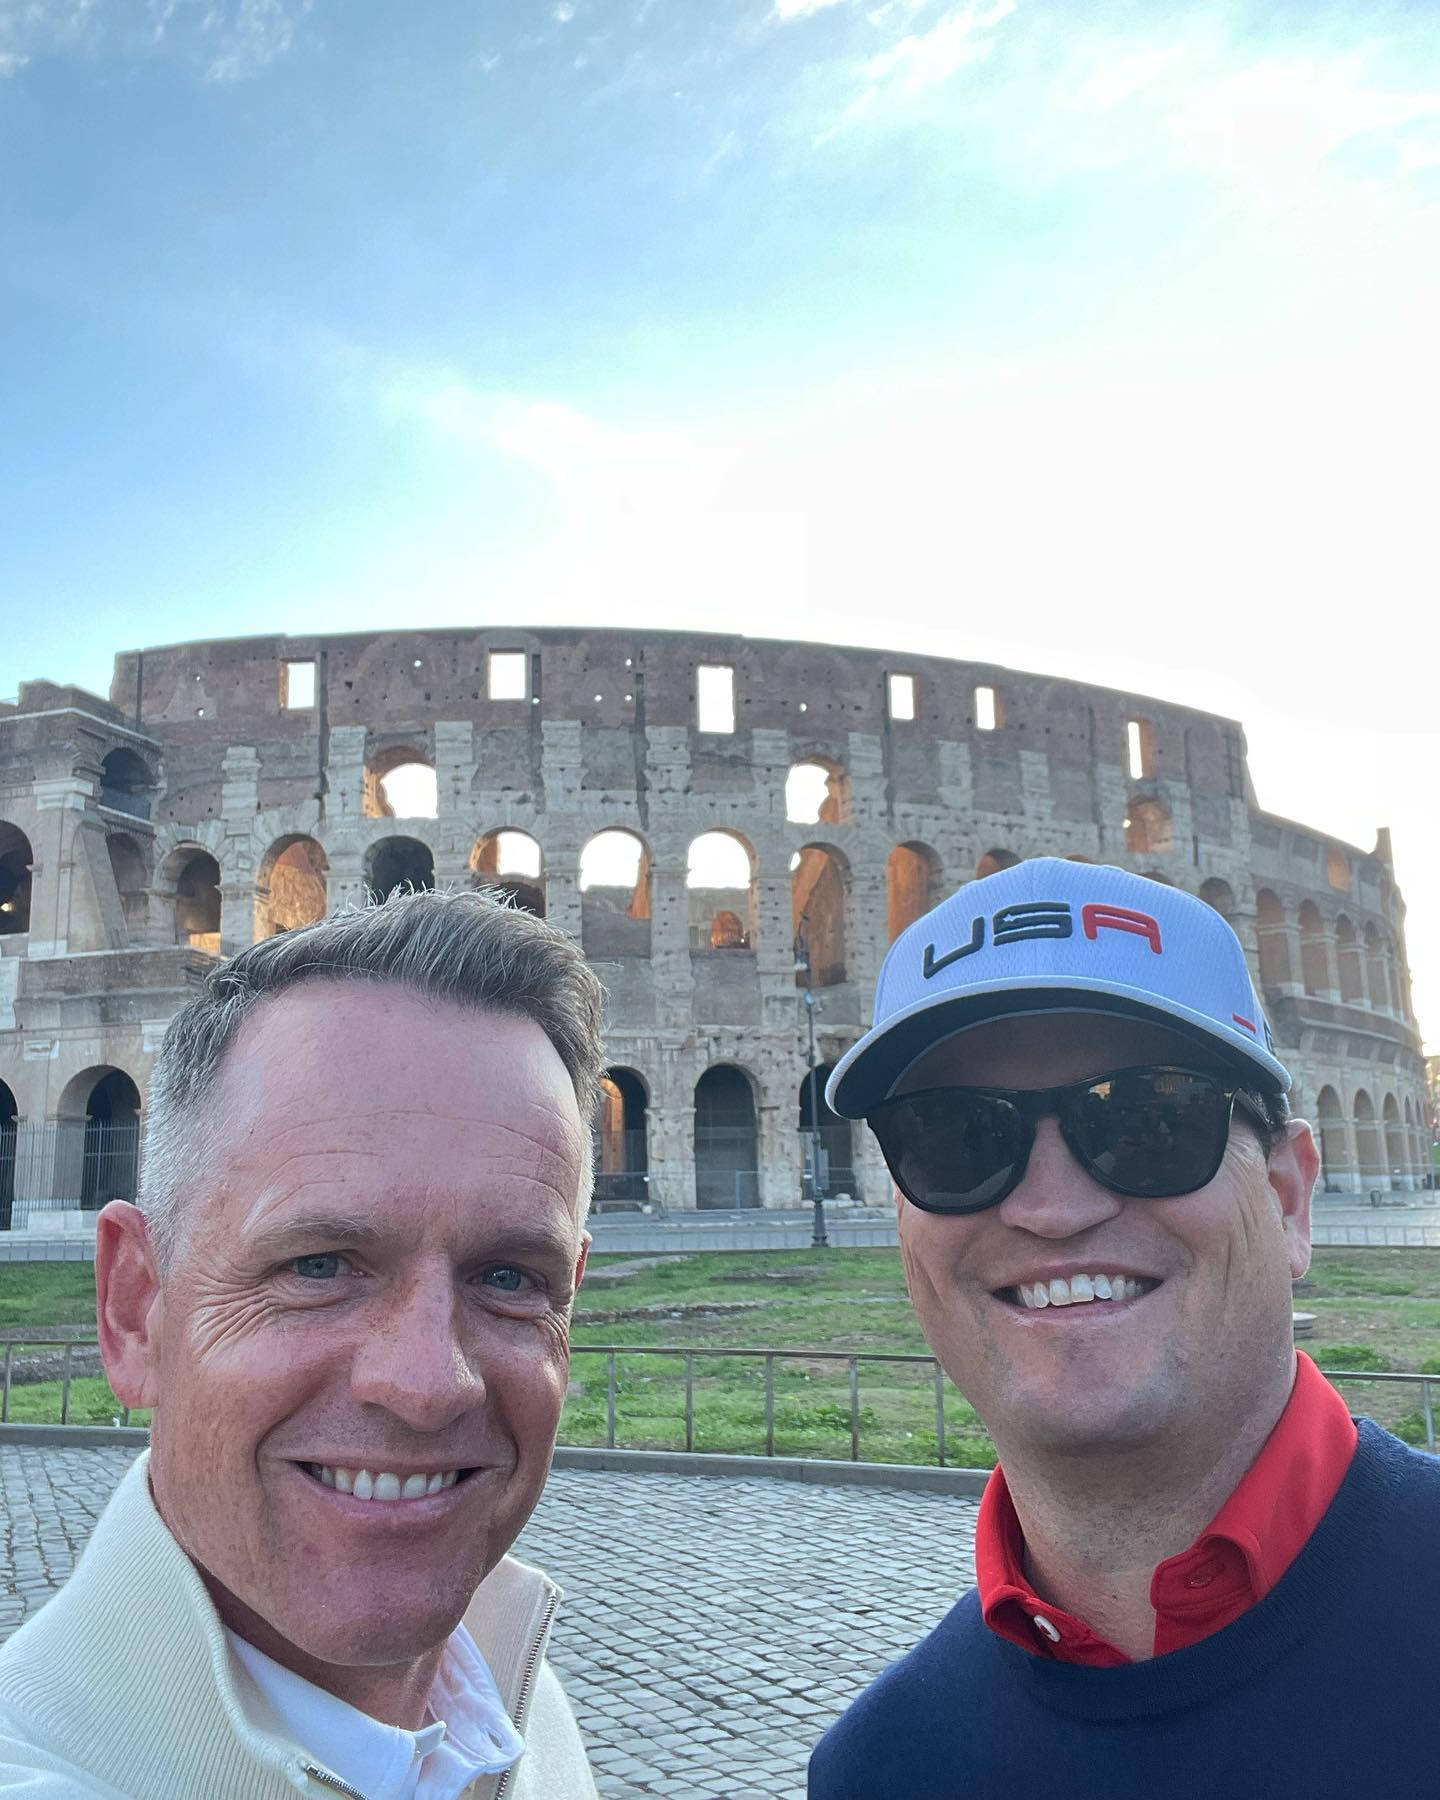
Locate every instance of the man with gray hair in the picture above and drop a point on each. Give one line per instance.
(345, 1298)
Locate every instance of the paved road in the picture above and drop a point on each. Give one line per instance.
(712, 1626)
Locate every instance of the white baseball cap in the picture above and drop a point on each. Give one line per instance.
(1049, 936)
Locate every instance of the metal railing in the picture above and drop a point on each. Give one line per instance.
(851, 1360)
(66, 1165)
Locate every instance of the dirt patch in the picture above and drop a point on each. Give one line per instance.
(596, 1276)
(799, 1273)
(624, 1315)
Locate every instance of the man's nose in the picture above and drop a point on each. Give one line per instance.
(1056, 1198)
(413, 1359)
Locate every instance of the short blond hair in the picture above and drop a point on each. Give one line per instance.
(464, 949)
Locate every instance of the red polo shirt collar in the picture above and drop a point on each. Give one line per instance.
(1234, 1562)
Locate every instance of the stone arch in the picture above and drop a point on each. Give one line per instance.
(9, 1140)
(819, 884)
(727, 932)
(912, 886)
(993, 861)
(16, 862)
(292, 886)
(720, 879)
(127, 783)
(402, 863)
(1391, 966)
(400, 783)
(727, 1162)
(1397, 1149)
(1314, 956)
(1336, 1162)
(1413, 1117)
(615, 898)
(1149, 830)
(1375, 975)
(1272, 936)
(510, 863)
(98, 1156)
(196, 875)
(1348, 962)
(1369, 1150)
(1220, 897)
(1337, 869)
(620, 1139)
(836, 1135)
(817, 791)
(132, 877)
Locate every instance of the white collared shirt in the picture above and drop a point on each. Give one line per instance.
(470, 1732)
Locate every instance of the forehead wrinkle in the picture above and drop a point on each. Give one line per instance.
(550, 1117)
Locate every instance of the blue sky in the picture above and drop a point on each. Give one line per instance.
(1094, 340)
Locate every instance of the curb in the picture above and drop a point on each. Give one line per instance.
(76, 1437)
(813, 1471)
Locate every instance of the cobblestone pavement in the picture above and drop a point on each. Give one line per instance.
(712, 1627)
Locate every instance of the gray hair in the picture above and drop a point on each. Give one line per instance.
(465, 949)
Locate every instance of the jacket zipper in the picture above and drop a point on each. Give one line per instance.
(330, 1780)
(532, 1663)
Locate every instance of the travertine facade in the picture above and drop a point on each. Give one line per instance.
(227, 789)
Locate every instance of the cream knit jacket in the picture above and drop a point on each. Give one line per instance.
(123, 1685)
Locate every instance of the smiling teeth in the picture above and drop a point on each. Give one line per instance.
(382, 1485)
(1079, 1289)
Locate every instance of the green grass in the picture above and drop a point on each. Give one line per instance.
(1375, 1309)
(57, 1293)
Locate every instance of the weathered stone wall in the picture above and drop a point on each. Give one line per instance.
(285, 799)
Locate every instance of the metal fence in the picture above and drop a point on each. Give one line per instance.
(65, 1166)
(622, 1178)
(850, 1418)
(725, 1166)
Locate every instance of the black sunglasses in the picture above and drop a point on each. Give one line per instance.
(1149, 1133)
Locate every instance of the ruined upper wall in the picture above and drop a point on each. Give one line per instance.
(200, 698)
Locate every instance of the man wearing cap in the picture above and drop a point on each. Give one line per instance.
(1196, 1574)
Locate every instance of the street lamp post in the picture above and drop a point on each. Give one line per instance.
(802, 967)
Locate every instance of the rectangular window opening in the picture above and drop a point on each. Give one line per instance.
(297, 686)
(988, 714)
(1140, 741)
(901, 696)
(505, 674)
(715, 697)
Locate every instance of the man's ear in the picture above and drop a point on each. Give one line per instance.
(128, 1305)
(1292, 1170)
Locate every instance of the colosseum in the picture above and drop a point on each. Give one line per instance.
(734, 828)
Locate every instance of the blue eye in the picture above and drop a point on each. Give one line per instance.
(507, 1278)
(324, 1266)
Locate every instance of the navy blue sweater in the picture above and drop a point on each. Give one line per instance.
(1328, 1689)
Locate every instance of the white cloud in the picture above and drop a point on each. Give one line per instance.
(801, 9)
(1262, 121)
(590, 463)
(254, 34)
(927, 58)
(227, 40)
(250, 34)
(919, 61)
